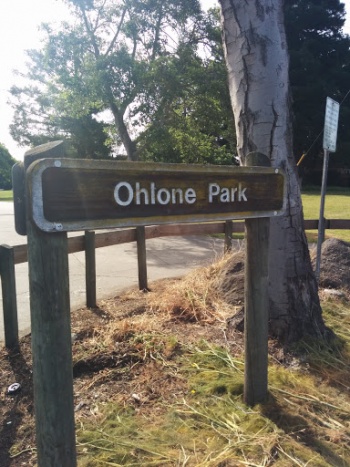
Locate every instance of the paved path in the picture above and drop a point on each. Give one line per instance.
(116, 266)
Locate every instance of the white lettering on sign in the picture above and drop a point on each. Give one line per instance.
(130, 194)
(226, 195)
(190, 196)
(125, 194)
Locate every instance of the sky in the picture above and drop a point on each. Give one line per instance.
(20, 21)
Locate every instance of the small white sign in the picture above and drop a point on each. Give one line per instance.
(331, 125)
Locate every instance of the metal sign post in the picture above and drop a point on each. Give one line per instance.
(329, 145)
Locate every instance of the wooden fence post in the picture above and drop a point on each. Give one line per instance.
(228, 236)
(51, 335)
(141, 257)
(256, 301)
(90, 269)
(9, 299)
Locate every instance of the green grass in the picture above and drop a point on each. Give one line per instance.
(6, 195)
(337, 206)
(304, 422)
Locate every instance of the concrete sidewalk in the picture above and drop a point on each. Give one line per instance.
(116, 269)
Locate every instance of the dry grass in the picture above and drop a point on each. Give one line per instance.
(197, 297)
(159, 382)
(199, 419)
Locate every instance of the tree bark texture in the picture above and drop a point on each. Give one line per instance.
(257, 61)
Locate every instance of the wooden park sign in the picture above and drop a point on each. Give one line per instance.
(64, 195)
(68, 194)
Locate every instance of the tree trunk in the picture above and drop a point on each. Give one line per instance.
(257, 61)
(128, 143)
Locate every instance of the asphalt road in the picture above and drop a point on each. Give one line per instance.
(116, 266)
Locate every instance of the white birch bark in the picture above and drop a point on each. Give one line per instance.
(257, 61)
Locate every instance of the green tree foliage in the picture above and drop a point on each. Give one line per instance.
(150, 76)
(319, 67)
(6, 163)
(126, 61)
(193, 121)
(35, 124)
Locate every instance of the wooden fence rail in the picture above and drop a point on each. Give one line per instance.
(10, 256)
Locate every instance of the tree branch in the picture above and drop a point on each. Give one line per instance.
(90, 32)
(111, 45)
(157, 33)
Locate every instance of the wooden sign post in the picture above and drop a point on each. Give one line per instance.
(65, 195)
(256, 301)
(51, 337)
